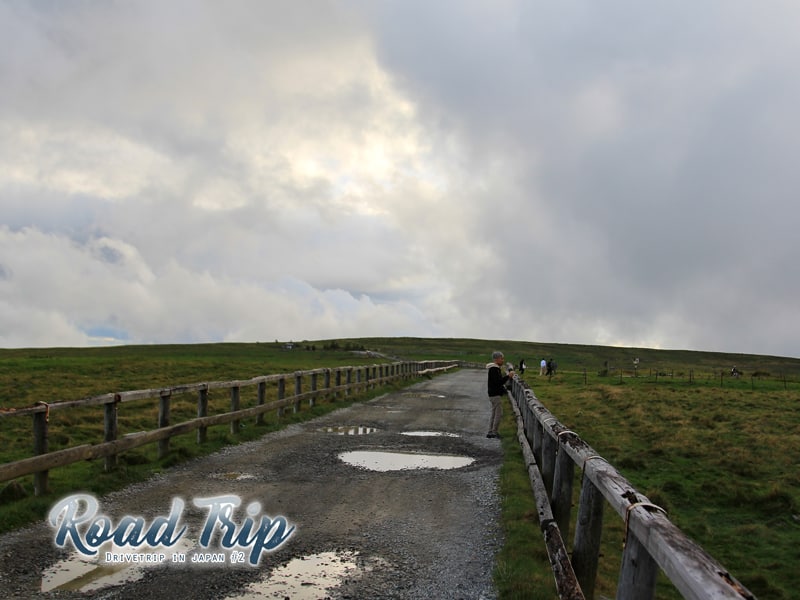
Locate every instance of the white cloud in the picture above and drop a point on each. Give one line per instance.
(193, 171)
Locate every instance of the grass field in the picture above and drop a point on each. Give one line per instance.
(722, 455)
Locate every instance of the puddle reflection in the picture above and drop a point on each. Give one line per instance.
(429, 434)
(400, 461)
(349, 430)
(80, 573)
(304, 578)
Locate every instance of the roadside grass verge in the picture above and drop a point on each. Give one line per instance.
(522, 569)
(723, 462)
(141, 463)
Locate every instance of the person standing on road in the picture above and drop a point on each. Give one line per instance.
(497, 391)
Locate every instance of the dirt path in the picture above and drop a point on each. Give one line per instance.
(359, 533)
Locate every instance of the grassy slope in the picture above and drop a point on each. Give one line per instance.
(720, 455)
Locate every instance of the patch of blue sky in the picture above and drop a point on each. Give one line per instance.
(101, 335)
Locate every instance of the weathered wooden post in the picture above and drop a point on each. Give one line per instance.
(261, 398)
(588, 531)
(538, 433)
(338, 383)
(561, 498)
(202, 411)
(298, 386)
(530, 421)
(163, 421)
(235, 397)
(331, 397)
(638, 573)
(40, 446)
(349, 381)
(110, 430)
(548, 464)
(312, 400)
(281, 394)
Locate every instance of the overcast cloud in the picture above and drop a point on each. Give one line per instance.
(583, 172)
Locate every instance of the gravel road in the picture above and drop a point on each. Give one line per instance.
(358, 532)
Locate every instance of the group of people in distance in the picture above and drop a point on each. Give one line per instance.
(547, 367)
(498, 385)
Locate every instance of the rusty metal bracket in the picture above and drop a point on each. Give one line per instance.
(46, 410)
(647, 505)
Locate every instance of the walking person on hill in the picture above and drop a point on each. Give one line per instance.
(543, 367)
(497, 391)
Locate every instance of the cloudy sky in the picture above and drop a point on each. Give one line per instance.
(590, 172)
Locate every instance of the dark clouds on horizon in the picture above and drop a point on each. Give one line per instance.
(189, 171)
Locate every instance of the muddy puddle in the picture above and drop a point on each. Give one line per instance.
(309, 577)
(349, 430)
(429, 434)
(80, 573)
(400, 461)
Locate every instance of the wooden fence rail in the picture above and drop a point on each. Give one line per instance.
(651, 541)
(366, 378)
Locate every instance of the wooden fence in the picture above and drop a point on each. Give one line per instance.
(551, 453)
(334, 381)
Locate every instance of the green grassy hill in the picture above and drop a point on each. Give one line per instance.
(721, 454)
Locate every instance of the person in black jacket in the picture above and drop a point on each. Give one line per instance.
(497, 391)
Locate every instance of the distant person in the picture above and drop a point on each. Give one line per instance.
(543, 367)
(549, 367)
(496, 389)
(521, 366)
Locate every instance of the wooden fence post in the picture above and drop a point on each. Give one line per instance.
(588, 531)
(202, 411)
(538, 433)
(312, 400)
(110, 430)
(528, 420)
(281, 394)
(163, 421)
(298, 386)
(235, 397)
(638, 573)
(262, 396)
(349, 382)
(40, 446)
(548, 464)
(331, 397)
(562, 488)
